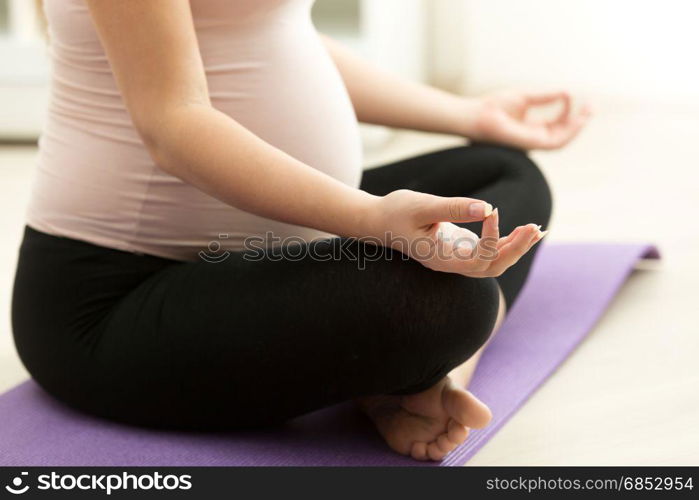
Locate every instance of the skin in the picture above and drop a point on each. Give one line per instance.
(153, 51)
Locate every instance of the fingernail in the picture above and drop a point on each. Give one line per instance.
(542, 234)
(480, 210)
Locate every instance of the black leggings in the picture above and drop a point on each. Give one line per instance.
(204, 345)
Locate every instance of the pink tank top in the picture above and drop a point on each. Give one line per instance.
(266, 67)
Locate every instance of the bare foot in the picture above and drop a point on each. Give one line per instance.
(429, 424)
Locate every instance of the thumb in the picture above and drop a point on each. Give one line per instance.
(456, 209)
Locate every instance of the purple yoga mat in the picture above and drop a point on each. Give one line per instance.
(569, 289)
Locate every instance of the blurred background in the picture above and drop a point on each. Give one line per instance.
(628, 394)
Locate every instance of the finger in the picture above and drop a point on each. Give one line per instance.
(491, 226)
(520, 244)
(487, 245)
(505, 240)
(562, 133)
(561, 117)
(537, 239)
(564, 113)
(510, 253)
(565, 128)
(455, 209)
(523, 134)
(539, 98)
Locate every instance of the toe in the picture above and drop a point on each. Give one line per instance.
(419, 451)
(466, 408)
(445, 444)
(434, 452)
(456, 432)
(481, 414)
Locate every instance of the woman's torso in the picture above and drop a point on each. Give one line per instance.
(266, 67)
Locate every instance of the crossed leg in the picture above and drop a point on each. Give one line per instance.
(432, 423)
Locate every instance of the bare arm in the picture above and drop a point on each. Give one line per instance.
(382, 98)
(153, 51)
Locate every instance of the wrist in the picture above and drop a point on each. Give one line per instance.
(368, 217)
(470, 110)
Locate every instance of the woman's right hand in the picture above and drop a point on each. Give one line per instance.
(422, 226)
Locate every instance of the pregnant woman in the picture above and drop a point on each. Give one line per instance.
(202, 250)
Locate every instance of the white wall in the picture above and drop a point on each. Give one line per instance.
(634, 49)
(395, 31)
(390, 32)
(23, 74)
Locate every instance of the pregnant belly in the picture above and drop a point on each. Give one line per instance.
(295, 100)
(272, 76)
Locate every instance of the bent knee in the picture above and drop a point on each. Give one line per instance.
(455, 319)
(517, 163)
(475, 313)
(518, 168)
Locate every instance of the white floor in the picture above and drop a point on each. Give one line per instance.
(629, 394)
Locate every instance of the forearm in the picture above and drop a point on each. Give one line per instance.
(382, 98)
(209, 150)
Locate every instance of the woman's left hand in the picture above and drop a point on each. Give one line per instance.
(503, 118)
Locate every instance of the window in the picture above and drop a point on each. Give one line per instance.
(4, 17)
(341, 18)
